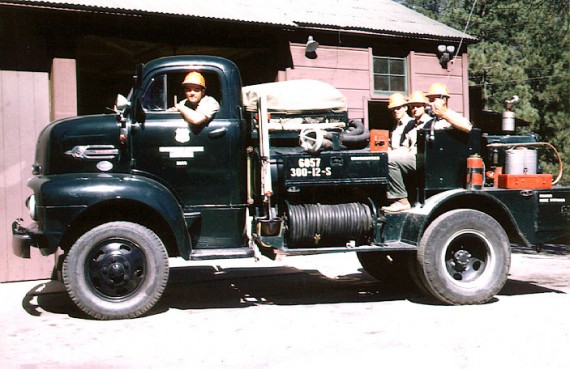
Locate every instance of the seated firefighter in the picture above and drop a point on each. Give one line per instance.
(198, 108)
(398, 105)
(402, 161)
(438, 97)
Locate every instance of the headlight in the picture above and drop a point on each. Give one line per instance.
(31, 205)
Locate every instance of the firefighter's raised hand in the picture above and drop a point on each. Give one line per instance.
(439, 108)
(181, 107)
(441, 111)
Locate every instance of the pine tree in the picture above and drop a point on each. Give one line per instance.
(522, 50)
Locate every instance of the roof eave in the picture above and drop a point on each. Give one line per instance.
(386, 33)
(66, 7)
(134, 13)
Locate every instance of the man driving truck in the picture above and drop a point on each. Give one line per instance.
(198, 108)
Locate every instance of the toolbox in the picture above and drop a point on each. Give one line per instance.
(525, 181)
(379, 140)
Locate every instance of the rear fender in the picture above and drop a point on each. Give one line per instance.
(420, 217)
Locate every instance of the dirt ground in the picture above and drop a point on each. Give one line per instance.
(301, 312)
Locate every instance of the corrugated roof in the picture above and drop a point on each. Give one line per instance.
(371, 16)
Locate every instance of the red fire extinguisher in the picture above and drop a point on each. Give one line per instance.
(475, 170)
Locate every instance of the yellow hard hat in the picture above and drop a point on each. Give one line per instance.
(396, 100)
(194, 78)
(438, 89)
(418, 97)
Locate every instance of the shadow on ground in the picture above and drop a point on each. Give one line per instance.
(543, 249)
(208, 287)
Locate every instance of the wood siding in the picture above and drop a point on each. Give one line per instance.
(25, 101)
(425, 70)
(350, 70)
(63, 88)
(347, 69)
(24, 110)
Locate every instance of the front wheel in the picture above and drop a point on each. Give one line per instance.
(464, 257)
(116, 270)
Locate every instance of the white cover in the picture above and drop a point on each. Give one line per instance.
(295, 96)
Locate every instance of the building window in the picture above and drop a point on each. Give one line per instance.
(390, 75)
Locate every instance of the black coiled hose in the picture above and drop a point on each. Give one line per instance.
(327, 225)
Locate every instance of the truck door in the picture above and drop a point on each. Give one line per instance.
(204, 167)
(198, 164)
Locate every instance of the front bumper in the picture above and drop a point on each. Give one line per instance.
(21, 240)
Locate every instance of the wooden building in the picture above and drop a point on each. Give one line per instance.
(62, 58)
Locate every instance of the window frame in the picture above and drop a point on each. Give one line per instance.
(405, 75)
(171, 87)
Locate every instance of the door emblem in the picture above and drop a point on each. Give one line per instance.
(181, 152)
(182, 135)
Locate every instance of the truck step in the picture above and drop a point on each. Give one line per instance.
(391, 246)
(229, 253)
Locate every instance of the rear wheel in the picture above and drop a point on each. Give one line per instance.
(116, 270)
(464, 257)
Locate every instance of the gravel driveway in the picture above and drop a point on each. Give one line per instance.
(301, 312)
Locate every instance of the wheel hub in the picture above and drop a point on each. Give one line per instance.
(466, 257)
(461, 259)
(117, 272)
(116, 268)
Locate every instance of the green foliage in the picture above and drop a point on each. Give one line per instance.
(522, 50)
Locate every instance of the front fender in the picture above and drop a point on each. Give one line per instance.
(62, 198)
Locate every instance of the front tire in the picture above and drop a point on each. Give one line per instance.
(464, 257)
(116, 270)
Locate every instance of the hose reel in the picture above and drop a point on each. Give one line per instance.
(312, 225)
(314, 138)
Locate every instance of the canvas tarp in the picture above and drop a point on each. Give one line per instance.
(295, 96)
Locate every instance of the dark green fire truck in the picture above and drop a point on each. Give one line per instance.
(119, 194)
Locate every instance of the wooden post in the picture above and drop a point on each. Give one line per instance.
(63, 89)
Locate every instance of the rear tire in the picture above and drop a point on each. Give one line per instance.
(464, 257)
(116, 270)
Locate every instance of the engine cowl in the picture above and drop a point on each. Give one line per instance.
(80, 145)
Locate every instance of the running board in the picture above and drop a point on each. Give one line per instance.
(230, 253)
(392, 246)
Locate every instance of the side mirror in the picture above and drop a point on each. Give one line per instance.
(121, 102)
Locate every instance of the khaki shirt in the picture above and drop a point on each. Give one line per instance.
(208, 106)
(395, 140)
